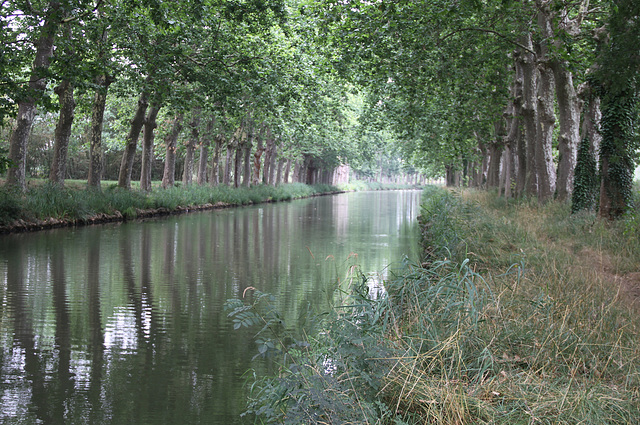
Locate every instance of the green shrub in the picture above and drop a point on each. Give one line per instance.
(585, 185)
(443, 224)
(10, 206)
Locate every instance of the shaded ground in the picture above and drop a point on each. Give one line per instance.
(602, 266)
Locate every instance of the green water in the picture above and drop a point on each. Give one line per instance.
(124, 323)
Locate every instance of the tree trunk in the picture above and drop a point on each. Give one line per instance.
(495, 154)
(266, 173)
(237, 167)
(147, 147)
(591, 117)
(287, 170)
(187, 174)
(204, 154)
(296, 172)
(569, 137)
(239, 138)
(246, 178)
(508, 170)
(226, 179)
(16, 174)
(256, 164)
(516, 136)
(546, 122)
(171, 141)
(280, 166)
(94, 179)
(63, 132)
(567, 98)
(530, 113)
(131, 141)
(214, 179)
(272, 162)
(616, 163)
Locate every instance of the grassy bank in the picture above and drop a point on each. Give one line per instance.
(519, 314)
(47, 202)
(46, 205)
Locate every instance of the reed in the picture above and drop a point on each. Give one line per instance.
(43, 201)
(519, 315)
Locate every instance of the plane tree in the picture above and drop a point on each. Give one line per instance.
(466, 82)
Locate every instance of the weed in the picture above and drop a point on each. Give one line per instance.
(528, 327)
(48, 200)
(10, 209)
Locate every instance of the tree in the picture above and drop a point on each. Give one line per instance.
(43, 38)
(617, 81)
(171, 140)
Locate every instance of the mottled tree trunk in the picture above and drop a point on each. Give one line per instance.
(246, 178)
(272, 162)
(171, 141)
(237, 166)
(187, 174)
(616, 163)
(516, 134)
(591, 117)
(296, 171)
(546, 122)
(63, 132)
(204, 154)
(214, 178)
(17, 173)
(148, 137)
(226, 179)
(94, 180)
(131, 141)
(569, 117)
(280, 168)
(257, 159)
(530, 113)
(287, 170)
(268, 153)
(567, 98)
(495, 154)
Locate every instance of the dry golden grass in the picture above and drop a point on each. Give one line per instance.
(558, 340)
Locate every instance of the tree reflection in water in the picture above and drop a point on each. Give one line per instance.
(124, 323)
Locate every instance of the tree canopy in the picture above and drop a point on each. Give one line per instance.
(494, 94)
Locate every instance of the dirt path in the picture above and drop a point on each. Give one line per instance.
(604, 270)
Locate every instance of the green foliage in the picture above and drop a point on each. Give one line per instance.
(442, 223)
(333, 374)
(10, 205)
(617, 148)
(50, 200)
(5, 162)
(585, 184)
(47, 200)
(452, 344)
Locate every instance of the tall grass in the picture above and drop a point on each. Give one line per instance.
(528, 323)
(73, 203)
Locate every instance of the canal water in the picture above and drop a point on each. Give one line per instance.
(125, 323)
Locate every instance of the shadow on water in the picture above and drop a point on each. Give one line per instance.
(124, 323)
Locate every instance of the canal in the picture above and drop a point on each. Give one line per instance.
(124, 323)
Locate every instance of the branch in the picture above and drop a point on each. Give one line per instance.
(523, 47)
(82, 15)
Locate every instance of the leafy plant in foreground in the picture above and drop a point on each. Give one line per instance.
(332, 374)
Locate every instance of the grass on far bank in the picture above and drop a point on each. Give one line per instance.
(75, 202)
(522, 314)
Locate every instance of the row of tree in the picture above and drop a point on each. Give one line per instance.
(500, 93)
(497, 93)
(238, 89)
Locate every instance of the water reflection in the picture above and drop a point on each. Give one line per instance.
(124, 323)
